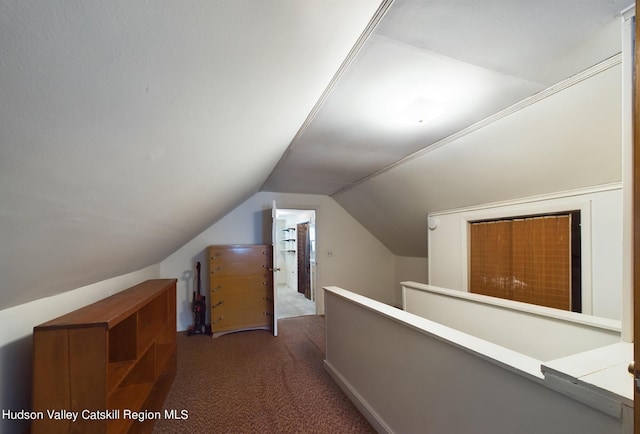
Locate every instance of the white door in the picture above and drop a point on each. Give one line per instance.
(274, 266)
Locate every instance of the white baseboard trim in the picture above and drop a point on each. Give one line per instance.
(361, 404)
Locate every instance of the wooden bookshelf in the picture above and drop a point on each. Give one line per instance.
(118, 353)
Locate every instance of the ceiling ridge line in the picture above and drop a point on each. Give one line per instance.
(565, 84)
(377, 17)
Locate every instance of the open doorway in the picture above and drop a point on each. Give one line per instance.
(295, 283)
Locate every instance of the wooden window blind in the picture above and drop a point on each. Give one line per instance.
(526, 259)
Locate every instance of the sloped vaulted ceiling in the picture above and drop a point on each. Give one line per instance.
(127, 127)
(432, 70)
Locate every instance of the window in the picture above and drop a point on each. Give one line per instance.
(533, 259)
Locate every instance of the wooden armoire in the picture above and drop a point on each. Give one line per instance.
(241, 287)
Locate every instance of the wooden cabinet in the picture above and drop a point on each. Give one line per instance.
(241, 287)
(118, 354)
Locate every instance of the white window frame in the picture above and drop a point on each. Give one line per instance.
(526, 209)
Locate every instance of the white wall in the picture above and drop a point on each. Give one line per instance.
(16, 345)
(290, 258)
(540, 332)
(602, 261)
(409, 269)
(285, 260)
(347, 254)
(418, 376)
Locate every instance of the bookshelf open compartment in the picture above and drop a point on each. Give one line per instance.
(123, 341)
(151, 318)
(136, 384)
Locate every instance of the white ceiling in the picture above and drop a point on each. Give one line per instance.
(471, 58)
(128, 127)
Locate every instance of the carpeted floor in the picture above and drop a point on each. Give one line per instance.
(252, 382)
(291, 303)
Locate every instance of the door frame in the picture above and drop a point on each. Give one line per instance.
(314, 264)
(636, 224)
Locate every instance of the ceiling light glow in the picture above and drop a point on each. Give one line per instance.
(420, 111)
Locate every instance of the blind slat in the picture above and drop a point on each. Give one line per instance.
(525, 259)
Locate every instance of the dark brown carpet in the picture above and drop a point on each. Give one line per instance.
(252, 382)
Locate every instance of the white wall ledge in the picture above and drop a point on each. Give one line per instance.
(579, 318)
(521, 364)
(597, 378)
